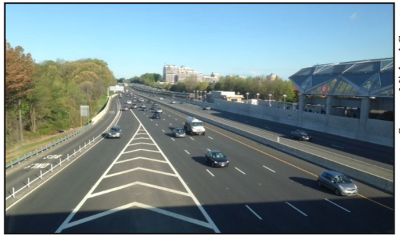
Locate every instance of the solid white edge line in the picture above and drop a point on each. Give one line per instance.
(251, 210)
(72, 214)
(338, 205)
(202, 210)
(119, 114)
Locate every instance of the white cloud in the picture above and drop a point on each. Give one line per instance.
(353, 16)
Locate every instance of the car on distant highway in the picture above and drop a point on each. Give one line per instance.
(173, 102)
(115, 132)
(216, 158)
(181, 102)
(125, 108)
(129, 102)
(206, 107)
(159, 110)
(134, 106)
(156, 116)
(144, 108)
(300, 135)
(179, 132)
(339, 183)
(160, 98)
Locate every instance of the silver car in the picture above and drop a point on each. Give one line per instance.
(115, 132)
(179, 132)
(159, 110)
(339, 183)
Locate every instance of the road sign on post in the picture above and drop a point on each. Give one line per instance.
(84, 112)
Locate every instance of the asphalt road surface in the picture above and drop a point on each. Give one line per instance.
(150, 182)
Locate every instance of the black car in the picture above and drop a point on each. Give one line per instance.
(217, 158)
(300, 135)
(144, 108)
(156, 116)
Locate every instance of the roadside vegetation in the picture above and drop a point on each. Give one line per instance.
(263, 85)
(44, 99)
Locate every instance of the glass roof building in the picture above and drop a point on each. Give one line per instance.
(367, 78)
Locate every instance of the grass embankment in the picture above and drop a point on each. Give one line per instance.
(32, 145)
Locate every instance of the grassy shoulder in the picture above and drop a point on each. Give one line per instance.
(32, 145)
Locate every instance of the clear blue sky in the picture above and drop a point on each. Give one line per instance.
(239, 39)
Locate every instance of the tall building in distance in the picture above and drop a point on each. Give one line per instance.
(174, 74)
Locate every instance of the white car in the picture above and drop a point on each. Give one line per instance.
(160, 98)
(159, 110)
(172, 102)
(129, 102)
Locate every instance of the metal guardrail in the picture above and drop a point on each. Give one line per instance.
(25, 157)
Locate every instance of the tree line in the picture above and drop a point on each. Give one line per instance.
(252, 85)
(43, 98)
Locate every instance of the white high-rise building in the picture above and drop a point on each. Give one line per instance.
(174, 74)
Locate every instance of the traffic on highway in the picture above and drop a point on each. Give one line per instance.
(151, 165)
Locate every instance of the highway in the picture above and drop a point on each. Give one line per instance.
(150, 182)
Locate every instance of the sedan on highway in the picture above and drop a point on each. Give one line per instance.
(179, 132)
(217, 158)
(339, 183)
(125, 108)
(172, 102)
(159, 110)
(206, 107)
(133, 106)
(300, 135)
(115, 132)
(156, 116)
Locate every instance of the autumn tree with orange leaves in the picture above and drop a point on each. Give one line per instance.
(19, 74)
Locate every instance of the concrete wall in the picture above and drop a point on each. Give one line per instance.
(374, 131)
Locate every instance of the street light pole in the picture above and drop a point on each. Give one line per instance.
(257, 96)
(247, 94)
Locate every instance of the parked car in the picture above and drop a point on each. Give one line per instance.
(179, 132)
(156, 116)
(217, 158)
(339, 183)
(115, 132)
(125, 108)
(159, 110)
(206, 108)
(300, 135)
